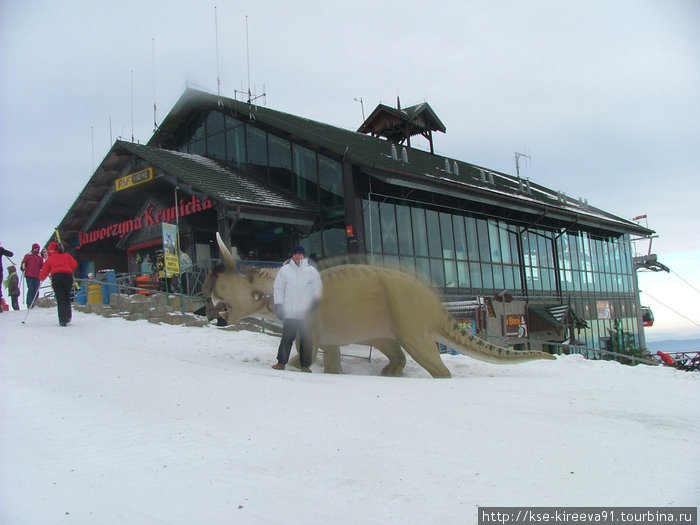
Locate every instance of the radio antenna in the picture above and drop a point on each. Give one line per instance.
(92, 138)
(362, 105)
(517, 162)
(251, 97)
(132, 105)
(247, 55)
(155, 109)
(216, 34)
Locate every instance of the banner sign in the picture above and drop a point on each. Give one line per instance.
(171, 252)
(150, 217)
(133, 179)
(468, 324)
(516, 326)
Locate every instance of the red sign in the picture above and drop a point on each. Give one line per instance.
(150, 217)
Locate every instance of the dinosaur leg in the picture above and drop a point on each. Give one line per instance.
(424, 351)
(392, 350)
(331, 359)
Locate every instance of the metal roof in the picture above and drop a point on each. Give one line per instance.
(199, 174)
(219, 182)
(379, 158)
(399, 165)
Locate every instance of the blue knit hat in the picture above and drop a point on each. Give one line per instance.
(298, 249)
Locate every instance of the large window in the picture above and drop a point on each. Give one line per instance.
(198, 141)
(538, 261)
(373, 235)
(235, 142)
(306, 171)
(330, 181)
(420, 236)
(387, 220)
(256, 141)
(216, 136)
(285, 165)
(452, 251)
(281, 163)
(403, 217)
(594, 264)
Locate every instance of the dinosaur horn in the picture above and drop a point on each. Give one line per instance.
(230, 257)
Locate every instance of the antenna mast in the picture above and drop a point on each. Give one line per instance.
(155, 110)
(362, 105)
(517, 162)
(216, 34)
(247, 55)
(132, 105)
(251, 97)
(92, 139)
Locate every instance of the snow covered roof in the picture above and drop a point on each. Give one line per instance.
(215, 180)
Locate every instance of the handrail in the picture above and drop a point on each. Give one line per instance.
(586, 351)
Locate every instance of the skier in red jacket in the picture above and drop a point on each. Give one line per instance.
(31, 266)
(60, 267)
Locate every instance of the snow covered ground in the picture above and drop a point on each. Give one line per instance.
(111, 421)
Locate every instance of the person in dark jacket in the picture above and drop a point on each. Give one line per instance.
(60, 266)
(8, 254)
(31, 266)
(12, 285)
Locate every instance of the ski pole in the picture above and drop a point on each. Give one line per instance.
(32, 303)
(22, 290)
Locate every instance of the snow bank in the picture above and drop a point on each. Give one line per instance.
(111, 421)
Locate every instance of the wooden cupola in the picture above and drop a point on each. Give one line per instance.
(398, 124)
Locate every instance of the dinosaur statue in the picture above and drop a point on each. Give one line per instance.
(363, 304)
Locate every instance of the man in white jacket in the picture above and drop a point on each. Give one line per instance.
(297, 292)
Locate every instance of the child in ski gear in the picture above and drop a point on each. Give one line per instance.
(8, 254)
(297, 291)
(60, 267)
(12, 285)
(31, 266)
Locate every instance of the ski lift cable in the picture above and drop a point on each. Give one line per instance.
(686, 282)
(674, 311)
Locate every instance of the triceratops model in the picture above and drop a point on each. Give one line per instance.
(369, 305)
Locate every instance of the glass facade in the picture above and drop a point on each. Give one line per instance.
(291, 167)
(466, 256)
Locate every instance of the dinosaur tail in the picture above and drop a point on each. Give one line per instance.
(454, 336)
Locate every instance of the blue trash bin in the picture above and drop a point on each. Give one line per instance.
(109, 284)
(81, 295)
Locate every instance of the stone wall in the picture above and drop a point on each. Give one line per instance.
(162, 308)
(155, 308)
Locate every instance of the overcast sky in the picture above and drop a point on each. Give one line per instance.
(604, 96)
